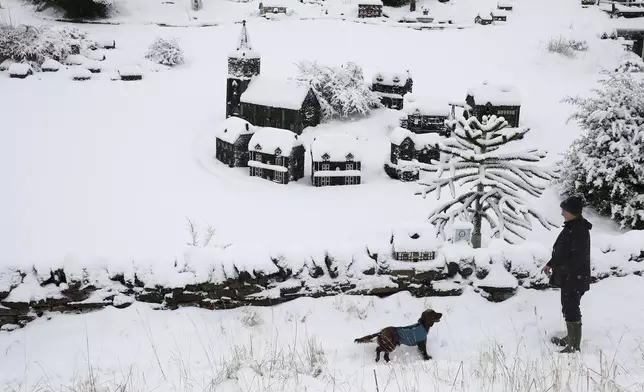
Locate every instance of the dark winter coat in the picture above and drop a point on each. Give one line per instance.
(570, 260)
(411, 335)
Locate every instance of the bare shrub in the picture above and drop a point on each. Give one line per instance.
(566, 47)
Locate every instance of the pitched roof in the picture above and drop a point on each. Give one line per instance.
(232, 128)
(336, 146)
(420, 141)
(275, 93)
(398, 78)
(268, 140)
(425, 106)
(415, 239)
(494, 94)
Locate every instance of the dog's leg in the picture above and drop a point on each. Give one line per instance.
(422, 347)
(387, 356)
(378, 351)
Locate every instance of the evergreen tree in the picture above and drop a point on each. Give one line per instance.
(492, 181)
(606, 164)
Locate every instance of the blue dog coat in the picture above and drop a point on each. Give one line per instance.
(411, 335)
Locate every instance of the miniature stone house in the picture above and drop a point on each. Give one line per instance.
(488, 99)
(391, 87)
(335, 160)
(505, 5)
(232, 140)
(415, 244)
(499, 15)
(369, 9)
(276, 155)
(424, 116)
(264, 101)
(408, 151)
(483, 19)
(271, 9)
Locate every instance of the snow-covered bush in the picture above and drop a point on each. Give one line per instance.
(341, 90)
(36, 44)
(606, 164)
(566, 46)
(251, 317)
(632, 64)
(165, 51)
(79, 9)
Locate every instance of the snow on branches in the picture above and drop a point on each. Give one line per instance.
(494, 180)
(341, 90)
(165, 51)
(606, 164)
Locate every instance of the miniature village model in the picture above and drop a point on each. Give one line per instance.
(488, 99)
(335, 160)
(417, 244)
(407, 151)
(391, 87)
(276, 155)
(263, 101)
(369, 9)
(424, 116)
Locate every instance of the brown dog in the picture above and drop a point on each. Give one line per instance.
(413, 335)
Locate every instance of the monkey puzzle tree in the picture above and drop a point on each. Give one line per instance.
(490, 182)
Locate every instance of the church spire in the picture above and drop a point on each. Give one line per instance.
(244, 40)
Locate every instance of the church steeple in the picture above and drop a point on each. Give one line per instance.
(243, 64)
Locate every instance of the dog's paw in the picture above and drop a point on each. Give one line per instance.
(377, 359)
(427, 357)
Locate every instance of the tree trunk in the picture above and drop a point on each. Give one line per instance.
(478, 218)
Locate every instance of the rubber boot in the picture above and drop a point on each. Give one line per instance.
(561, 342)
(574, 338)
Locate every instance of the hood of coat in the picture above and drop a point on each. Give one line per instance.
(581, 221)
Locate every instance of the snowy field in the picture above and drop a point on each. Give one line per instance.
(108, 171)
(307, 345)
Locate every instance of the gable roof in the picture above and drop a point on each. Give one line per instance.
(267, 140)
(425, 106)
(420, 141)
(415, 239)
(232, 128)
(398, 78)
(276, 93)
(337, 146)
(494, 94)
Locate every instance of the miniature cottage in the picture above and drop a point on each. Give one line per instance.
(505, 5)
(424, 115)
(280, 104)
(416, 244)
(263, 101)
(392, 87)
(232, 139)
(483, 19)
(369, 8)
(487, 99)
(20, 70)
(335, 160)
(408, 150)
(271, 9)
(276, 155)
(633, 36)
(499, 16)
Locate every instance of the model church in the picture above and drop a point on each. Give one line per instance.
(262, 100)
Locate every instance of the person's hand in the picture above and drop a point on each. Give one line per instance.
(546, 270)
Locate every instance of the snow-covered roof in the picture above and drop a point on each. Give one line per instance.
(420, 141)
(6, 64)
(244, 48)
(93, 65)
(268, 140)
(415, 239)
(388, 78)
(425, 106)
(504, 3)
(80, 73)
(75, 59)
(369, 2)
(285, 94)
(337, 146)
(484, 16)
(232, 128)
(131, 70)
(51, 64)
(19, 69)
(494, 94)
(500, 13)
(462, 225)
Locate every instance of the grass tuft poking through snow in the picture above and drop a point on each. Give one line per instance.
(566, 47)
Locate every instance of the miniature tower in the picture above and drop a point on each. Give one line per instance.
(243, 64)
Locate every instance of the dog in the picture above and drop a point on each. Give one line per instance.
(412, 335)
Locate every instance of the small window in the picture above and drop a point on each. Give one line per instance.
(349, 166)
(278, 151)
(326, 166)
(396, 79)
(326, 157)
(379, 78)
(258, 157)
(278, 176)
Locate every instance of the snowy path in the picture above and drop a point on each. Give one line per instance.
(194, 350)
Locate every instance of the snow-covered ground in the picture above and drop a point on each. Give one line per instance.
(307, 345)
(108, 171)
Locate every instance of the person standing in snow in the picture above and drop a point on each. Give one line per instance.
(569, 269)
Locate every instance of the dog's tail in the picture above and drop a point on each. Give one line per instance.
(367, 339)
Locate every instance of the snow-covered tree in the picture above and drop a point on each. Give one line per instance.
(341, 91)
(490, 181)
(606, 164)
(79, 9)
(165, 51)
